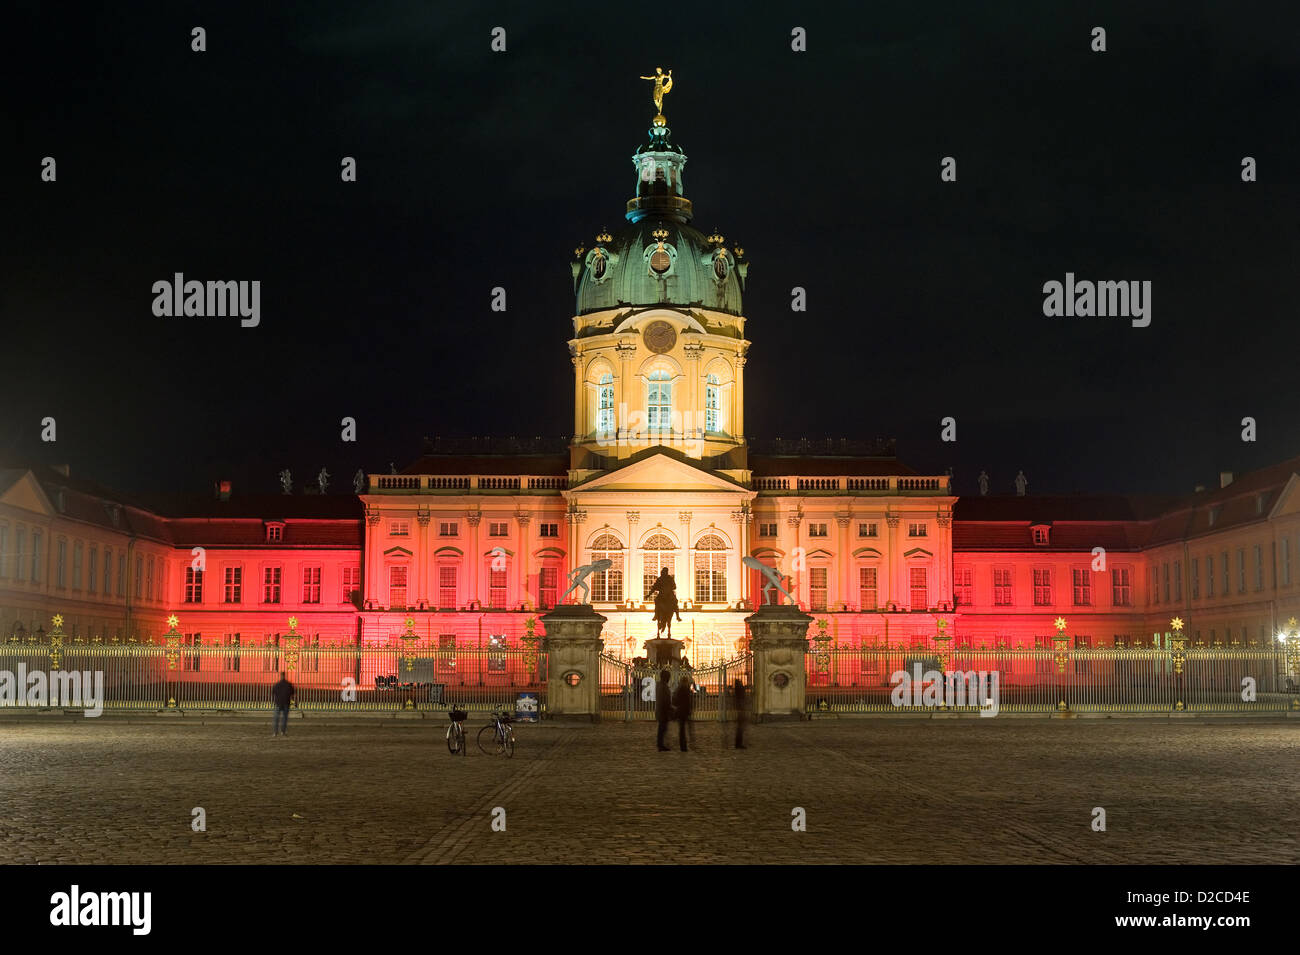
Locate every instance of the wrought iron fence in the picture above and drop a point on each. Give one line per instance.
(327, 679)
(628, 692)
(1041, 680)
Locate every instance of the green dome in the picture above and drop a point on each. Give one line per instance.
(658, 258)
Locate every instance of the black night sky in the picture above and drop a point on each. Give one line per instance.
(479, 169)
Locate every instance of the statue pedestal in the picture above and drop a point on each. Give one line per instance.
(664, 651)
(779, 643)
(573, 646)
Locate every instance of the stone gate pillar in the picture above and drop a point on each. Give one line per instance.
(573, 648)
(780, 640)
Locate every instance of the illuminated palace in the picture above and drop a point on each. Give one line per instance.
(472, 540)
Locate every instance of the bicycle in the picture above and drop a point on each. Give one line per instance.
(498, 737)
(456, 731)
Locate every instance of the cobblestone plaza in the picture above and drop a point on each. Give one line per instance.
(903, 791)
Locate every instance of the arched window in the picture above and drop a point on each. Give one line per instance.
(658, 552)
(659, 400)
(712, 404)
(710, 569)
(607, 586)
(605, 405)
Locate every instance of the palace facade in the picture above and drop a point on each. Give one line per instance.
(474, 538)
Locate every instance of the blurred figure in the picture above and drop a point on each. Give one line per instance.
(683, 699)
(281, 695)
(663, 706)
(738, 696)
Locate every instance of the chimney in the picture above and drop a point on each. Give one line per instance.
(1225, 478)
(223, 490)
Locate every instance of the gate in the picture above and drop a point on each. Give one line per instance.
(628, 692)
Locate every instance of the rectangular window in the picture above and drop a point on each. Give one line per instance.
(397, 588)
(61, 564)
(230, 658)
(868, 530)
(138, 578)
(548, 530)
(77, 558)
(1241, 570)
(711, 575)
(148, 578)
(1121, 587)
(1042, 588)
(271, 579)
(92, 570)
(399, 528)
(1259, 567)
(193, 586)
(234, 585)
(497, 589)
(1153, 584)
(4, 550)
(867, 588)
(311, 585)
(1286, 561)
(351, 582)
(1082, 586)
(817, 587)
(1039, 535)
(1002, 587)
(192, 642)
(816, 530)
(548, 581)
(274, 533)
(919, 589)
(1178, 581)
(36, 557)
(1196, 578)
(1209, 575)
(766, 530)
(1165, 572)
(448, 529)
(963, 592)
(108, 571)
(498, 528)
(1227, 573)
(447, 652)
(121, 575)
(447, 587)
(916, 530)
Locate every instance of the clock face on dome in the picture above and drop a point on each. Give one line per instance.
(659, 337)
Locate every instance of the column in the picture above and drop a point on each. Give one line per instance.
(738, 399)
(633, 589)
(845, 559)
(893, 561)
(685, 518)
(945, 558)
(524, 518)
(741, 518)
(424, 562)
(475, 561)
(574, 517)
(793, 521)
(373, 563)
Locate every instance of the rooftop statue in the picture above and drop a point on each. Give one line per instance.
(663, 86)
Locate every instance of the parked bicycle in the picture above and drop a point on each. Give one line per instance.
(498, 737)
(456, 731)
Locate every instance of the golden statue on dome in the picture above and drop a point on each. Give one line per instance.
(663, 86)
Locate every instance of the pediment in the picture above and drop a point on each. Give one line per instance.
(26, 494)
(1288, 501)
(660, 472)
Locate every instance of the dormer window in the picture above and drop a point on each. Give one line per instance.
(1214, 514)
(1259, 503)
(1039, 534)
(274, 532)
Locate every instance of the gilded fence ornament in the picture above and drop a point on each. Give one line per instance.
(56, 641)
(172, 641)
(531, 641)
(409, 640)
(290, 644)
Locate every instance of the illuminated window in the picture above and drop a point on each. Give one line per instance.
(1042, 588)
(1165, 569)
(193, 584)
(1241, 570)
(497, 589)
(61, 564)
(448, 529)
(271, 585)
(919, 589)
(92, 570)
(108, 565)
(1121, 587)
(817, 588)
(916, 530)
(230, 659)
(766, 530)
(1286, 561)
(605, 405)
(351, 582)
(1002, 587)
(1082, 586)
(4, 551)
(121, 575)
(1259, 567)
(1196, 578)
(658, 553)
(867, 588)
(498, 528)
(868, 530)
(1040, 536)
(816, 530)
(712, 403)
(274, 533)
(659, 401)
(77, 560)
(496, 661)
(447, 652)
(548, 530)
(234, 585)
(1227, 584)
(963, 590)
(148, 576)
(548, 582)
(139, 576)
(447, 586)
(710, 569)
(36, 561)
(400, 528)
(311, 585)
(607, 586)
(397, 588)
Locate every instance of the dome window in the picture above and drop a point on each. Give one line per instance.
(598, 266)
(660, 261)
(720, 266)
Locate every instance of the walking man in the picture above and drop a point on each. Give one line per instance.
(663, 706)
(683, 698)
(281, 694)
